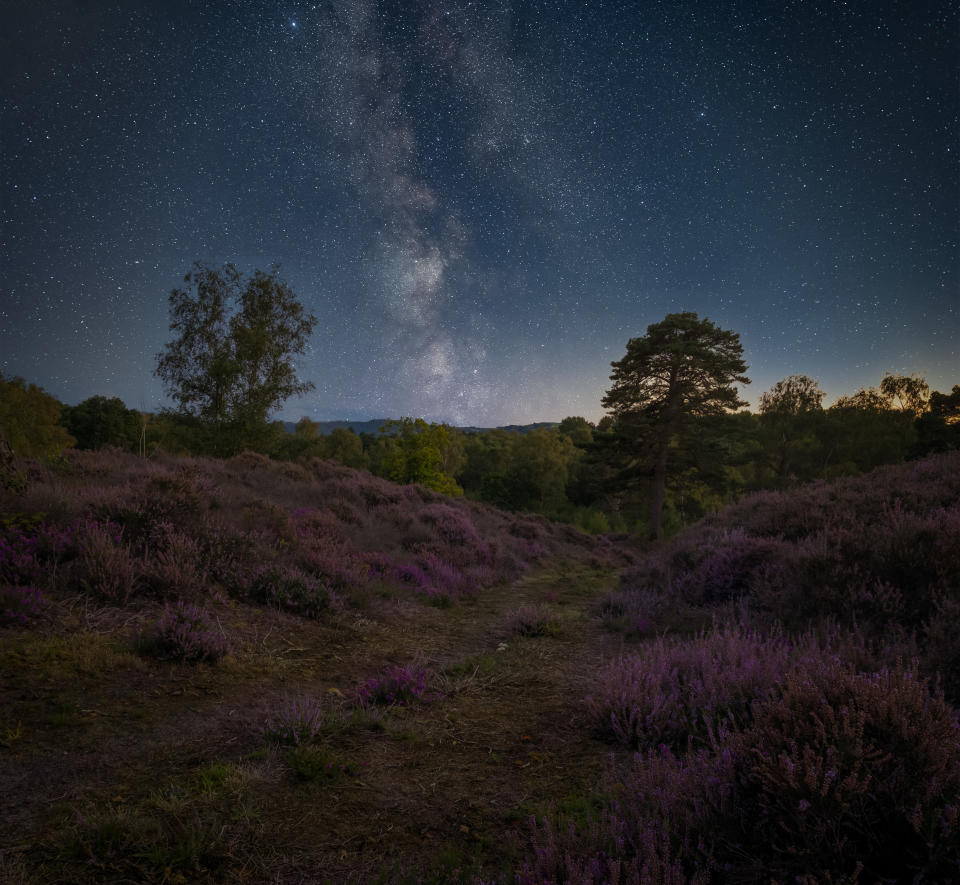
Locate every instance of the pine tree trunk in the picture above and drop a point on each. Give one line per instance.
(658, 492)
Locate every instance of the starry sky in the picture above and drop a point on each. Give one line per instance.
(483, 201)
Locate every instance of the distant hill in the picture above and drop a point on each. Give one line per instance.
(374, 425)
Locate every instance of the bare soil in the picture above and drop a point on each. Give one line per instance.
(117, 768)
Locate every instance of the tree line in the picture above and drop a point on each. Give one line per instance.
(676, 442)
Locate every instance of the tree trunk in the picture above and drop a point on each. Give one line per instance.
(658, 492)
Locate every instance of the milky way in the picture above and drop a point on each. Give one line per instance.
(482, 202)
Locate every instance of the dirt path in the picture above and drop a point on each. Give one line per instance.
(431, 788)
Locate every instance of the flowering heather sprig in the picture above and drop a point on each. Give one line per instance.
(676, 690)
(532, 620)
(656, 827)
(398, 685)
(18, 605)
(297, 722)
(176, 565)
(18, 557)
(452, 525)
(337, 568)
(378, 564)
(55, 541)
(412, 575)
(317, 530)
(291, 590)
(106, 567)
(187, 632)
(844, 768)
(728, 570)
(445, 577)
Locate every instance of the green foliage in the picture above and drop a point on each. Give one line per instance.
(344, 446)
(410, 451)
(30, 420)
(231, 363)
(310, 762)
(683, 369)
(791, 412)
(524, 471)
(578, 430)
(99, 421)
(863, 432)
(938, 430)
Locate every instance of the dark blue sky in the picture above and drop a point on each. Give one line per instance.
(482, 202)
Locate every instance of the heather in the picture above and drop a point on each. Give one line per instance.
(835, 776)
(805, 735)
(304, 538)
(186, 632)
(249, 671)
(879, 554)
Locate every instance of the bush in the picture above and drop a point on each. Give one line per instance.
(18, 556)
(297, 722)
(398, 685)
(291, 590)
(176, 566)
(20, 605)
(833, 776)
(186, 632)
(682, 690)
(845, 772)
(532, 620)
(105, 567)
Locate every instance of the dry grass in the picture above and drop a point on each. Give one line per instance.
(126, 769)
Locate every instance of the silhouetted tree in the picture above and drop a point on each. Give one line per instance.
(938, 429)
(99, 421)
(789, 413)
(684, 368)
(865, 430)
(908, 393)
(231, 363)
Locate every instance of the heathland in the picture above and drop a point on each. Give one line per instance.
(244, 670)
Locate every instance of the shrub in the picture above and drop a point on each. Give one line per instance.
(378, 564)
(838, 776)
(298, 721)
(105, 567)
(637, 612)
(398, 685)
(19, 605)
(291, 590)
(655, 827)
(452, 525)
(728, 570)
(413, 576)
(446, 578)
(345, 511)
(942, 643)
(532, 620)
(845, 772)
(176, 565)
(186, 632)
(677, 691)
(18, 556)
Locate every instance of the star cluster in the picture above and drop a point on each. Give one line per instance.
(483, 201)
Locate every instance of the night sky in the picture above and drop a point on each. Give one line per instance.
(483, 201)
